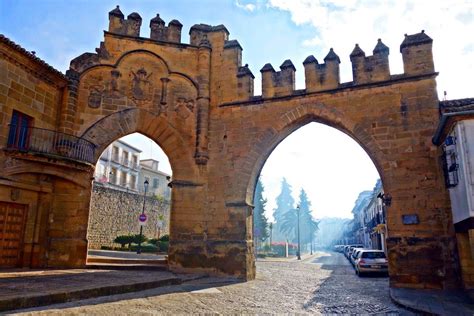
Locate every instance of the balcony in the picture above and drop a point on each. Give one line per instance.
(125, 162)
(50, 143)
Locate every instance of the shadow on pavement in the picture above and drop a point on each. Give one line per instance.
(190, 284)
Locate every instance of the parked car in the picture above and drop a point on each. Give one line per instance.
(370, 261)
(349, 250)
(354, 255)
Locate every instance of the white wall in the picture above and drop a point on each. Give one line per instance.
(462, 195)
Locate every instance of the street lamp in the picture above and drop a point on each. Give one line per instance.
(271, 236)
(298, 226)
(139, 250)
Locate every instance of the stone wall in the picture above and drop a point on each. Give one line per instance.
(115, 213)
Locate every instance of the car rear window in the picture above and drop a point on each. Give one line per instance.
(373, 255)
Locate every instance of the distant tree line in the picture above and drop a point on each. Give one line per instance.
(285, 227)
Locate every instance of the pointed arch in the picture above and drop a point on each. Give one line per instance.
(298, 117)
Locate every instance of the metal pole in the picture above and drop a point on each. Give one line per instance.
(271, 235)
(299, 250)
(139, 250)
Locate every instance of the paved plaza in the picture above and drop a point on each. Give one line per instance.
(320, 284)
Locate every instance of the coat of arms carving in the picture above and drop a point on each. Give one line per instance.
(141, 89)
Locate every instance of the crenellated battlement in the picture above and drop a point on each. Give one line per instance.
(131, 26)
(372, 68)
(324, 76)
(416, 52)
(233, 82)
(119, 25)
(278, 83)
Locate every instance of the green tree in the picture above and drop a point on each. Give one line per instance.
(285, 203)
(260, 228)
(289, 225)
(308, 225)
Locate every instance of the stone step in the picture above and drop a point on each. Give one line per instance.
(109, 260)
(123, 266)
(48, 288)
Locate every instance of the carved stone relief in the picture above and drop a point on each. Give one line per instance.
(111, 89)
(184, 107)
(141, 89)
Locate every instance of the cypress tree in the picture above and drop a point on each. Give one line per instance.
(260, 220)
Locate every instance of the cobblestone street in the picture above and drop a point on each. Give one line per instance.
(322, 284)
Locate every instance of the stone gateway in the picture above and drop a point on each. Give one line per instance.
(196, 101)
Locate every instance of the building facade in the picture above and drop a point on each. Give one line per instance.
(369, 224)
(358, 226)
(118, 167)
(196, 100)
(455, 135)
(158, 180)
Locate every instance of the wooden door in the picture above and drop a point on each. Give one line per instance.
(12, 227)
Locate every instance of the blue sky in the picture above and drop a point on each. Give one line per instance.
(272, 31)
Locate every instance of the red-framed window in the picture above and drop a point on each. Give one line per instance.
(18, 136)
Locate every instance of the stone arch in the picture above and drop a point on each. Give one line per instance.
(119, 124)
(298, 117)
(56, 169)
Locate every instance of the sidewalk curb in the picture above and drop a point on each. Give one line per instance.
(55, 298)
(407, 304)
(433, 304)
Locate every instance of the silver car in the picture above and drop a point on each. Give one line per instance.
(355, 254)
(371, 261)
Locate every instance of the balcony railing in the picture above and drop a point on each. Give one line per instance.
(48, 142)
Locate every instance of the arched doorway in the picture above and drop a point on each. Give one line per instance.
(323, 171)
(130, 203)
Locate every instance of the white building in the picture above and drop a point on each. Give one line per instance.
(158, 180)
(118, 167)
(455, 135)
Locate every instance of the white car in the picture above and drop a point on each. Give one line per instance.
(371, 261)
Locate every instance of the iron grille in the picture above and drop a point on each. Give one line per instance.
(48, 142)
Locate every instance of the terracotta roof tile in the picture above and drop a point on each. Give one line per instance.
(32, 56)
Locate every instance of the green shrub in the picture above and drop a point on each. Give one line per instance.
(145, 248)
(164, 245)
(165, 238)
(123, 240)
(153, 241)
(139, 239)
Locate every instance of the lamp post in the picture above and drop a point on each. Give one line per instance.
(139, 250)
(271, 236)
(298, 226)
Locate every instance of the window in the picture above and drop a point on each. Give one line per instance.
(373, 255)
(134, 162)
(19, 130)
(123, 179)
(115, 153)
(113, 176)
(450, 165)
(125, 158)
(155, 183)
(133, 182)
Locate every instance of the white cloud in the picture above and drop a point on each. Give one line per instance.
(341, 24)
(248, 7)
